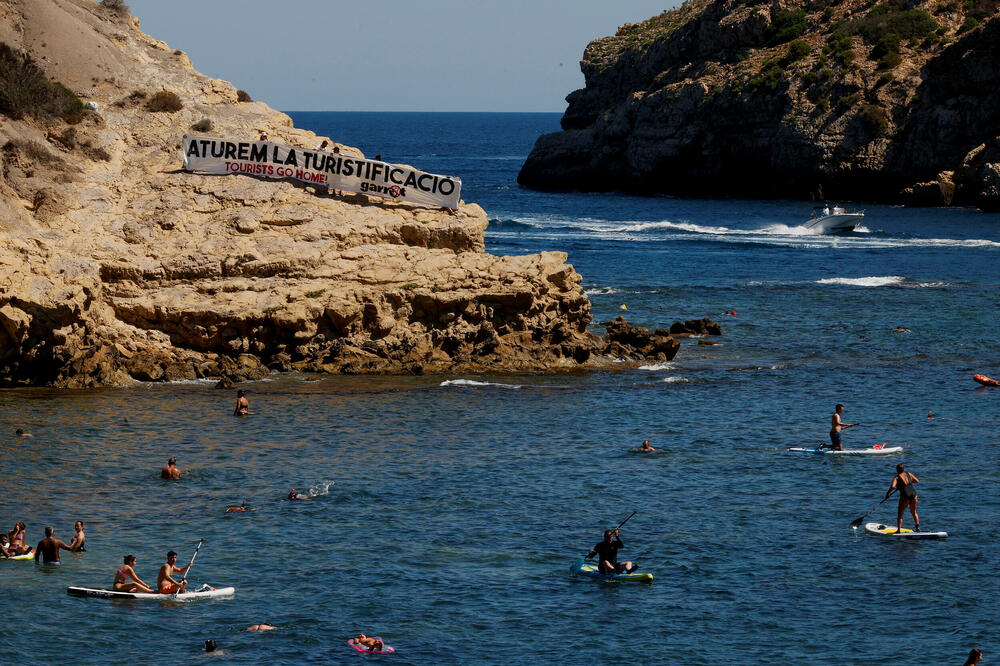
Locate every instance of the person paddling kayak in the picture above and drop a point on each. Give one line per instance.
(836, 426)
(904, 482)
(165, 582)
(607, 552)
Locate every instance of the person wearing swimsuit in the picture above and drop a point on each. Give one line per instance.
(904, 482)
(17, 537)
(127, 571)
(836, 426)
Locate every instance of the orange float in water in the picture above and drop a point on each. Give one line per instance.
(986, 381)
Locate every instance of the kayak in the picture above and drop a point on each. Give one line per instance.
(877, 450)
(985, 381)
(589, 569)
(205, 592)
(386, 649)
(26, 556)
(878, 529)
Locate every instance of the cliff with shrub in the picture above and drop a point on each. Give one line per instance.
(881, 100)
(116, 265)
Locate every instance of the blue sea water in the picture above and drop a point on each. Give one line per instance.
(445, 512)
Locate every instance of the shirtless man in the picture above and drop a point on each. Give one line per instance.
(242, 404)
(171, 471)
(48, 548)
(5, 551)
(646, 446)
(836, 425)
(165, 579)
(126, 571)
(79, 539)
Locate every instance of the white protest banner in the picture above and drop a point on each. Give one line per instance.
(340, 172)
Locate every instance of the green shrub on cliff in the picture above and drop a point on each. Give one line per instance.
(25, 90)
(769, 77)
(797, 50)
(874, 118)
(884, 19)
(786, 26)
(840, 46)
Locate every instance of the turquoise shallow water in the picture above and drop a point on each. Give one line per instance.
(446, 514)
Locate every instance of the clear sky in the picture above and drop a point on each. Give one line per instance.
(394, 55)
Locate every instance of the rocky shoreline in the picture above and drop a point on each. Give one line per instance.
(846, 100)
(116, 266)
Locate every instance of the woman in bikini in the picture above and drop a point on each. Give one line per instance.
(125, 571)
(905, 482)
(17, 537)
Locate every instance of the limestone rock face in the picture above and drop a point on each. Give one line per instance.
(844, 99)
(117, 266)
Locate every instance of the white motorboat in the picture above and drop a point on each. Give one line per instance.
(833, 220)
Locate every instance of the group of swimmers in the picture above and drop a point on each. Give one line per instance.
(12, 544)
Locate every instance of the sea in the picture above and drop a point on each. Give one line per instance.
(445, 513)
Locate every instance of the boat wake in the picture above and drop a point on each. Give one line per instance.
(472, 382)
(553, 227)
(880, 281)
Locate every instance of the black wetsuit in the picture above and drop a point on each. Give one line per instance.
(608, 552)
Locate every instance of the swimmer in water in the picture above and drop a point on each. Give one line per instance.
(260, 627)
(171, 471)
(292, 496)
(236, 509)
(48, 548)
(372, 644)
(242, 404)
(79, 539)
(646, 446)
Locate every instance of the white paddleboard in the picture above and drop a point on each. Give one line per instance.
(193, 595)
(878, 529)
(884, 451)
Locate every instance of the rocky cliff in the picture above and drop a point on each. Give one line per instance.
(116, 265)
(883, 100)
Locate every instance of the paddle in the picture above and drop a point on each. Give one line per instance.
(857, 523)
(188, 569)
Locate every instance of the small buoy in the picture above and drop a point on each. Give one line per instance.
(733, 313)
(623, 307)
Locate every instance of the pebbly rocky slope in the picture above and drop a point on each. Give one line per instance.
(881, 100)
(117, 266)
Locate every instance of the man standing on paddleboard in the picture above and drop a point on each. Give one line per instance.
(165, 582)
(836, 425)
(607, 552)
